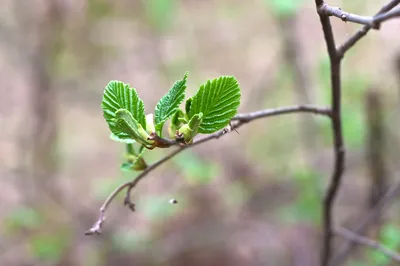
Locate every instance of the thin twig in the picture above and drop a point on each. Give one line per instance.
(256, 115)
(281, 111)
(96, 228)
(345, 16)
(386, 16)
(132, 184)
(362, 240)
(238, 121)
(338, 146)
(372, 22)
(342, 49)
(346, 248)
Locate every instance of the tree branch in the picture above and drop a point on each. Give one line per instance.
(335, 181)
(342, 49)
(327, 10)
(386, 16)
(96, 228)
(346, 248)
(335, 56)
(280, 111)
(237, 121)
(362, 240)
(372, 22)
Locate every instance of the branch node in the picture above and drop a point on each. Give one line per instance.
(160, 142)
(127, 200)
(96, 228)
(375, 25)
(130, 204)
(179, 137)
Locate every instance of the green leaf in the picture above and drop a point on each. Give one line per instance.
(195, 121)
(175, 118)
(175, 122)
(118, 95)
(128, 126)
(169, 103)
(130, 149)
(188, 105)
(134, 161)
(218, 100)
(116, 138)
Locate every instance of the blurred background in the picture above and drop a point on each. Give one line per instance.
(252, 198)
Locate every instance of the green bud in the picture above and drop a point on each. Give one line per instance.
(175, 122)
(133, 163)
(150, 124)
(129, 125)
(190, 130)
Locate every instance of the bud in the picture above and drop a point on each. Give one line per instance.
(190, 130)
(150, 124)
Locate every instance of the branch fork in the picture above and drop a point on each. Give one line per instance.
(96, 228)
(372, 22)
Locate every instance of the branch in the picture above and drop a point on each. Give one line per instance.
(346, 248)
(362, 240)
(237, 121)
(96, 228)
(166, 143)
(362, 32)
(386, 16)
(327, 10)
(372, 22)
(281, 111)
(338, 146)
(335, 56)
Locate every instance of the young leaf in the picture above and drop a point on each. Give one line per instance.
(130, 149)
(218, 100)
(195, 122)
(188, 104)
(150, 123)
(116, 138)
(134, 161)
(191, 129)
(169, 103)
(127, 125)
(175, 118)
(175, 122)
(118, 95)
